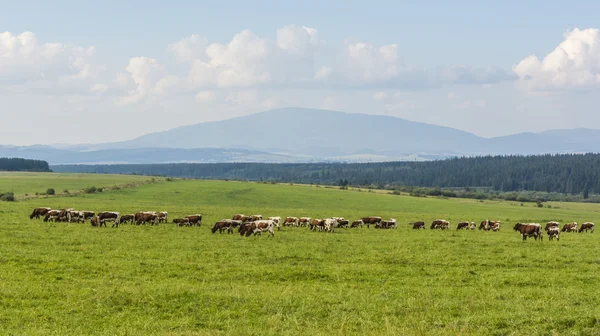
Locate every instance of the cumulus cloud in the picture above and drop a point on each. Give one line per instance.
(23, 59)
(144, 76)
(573, 65)
(189, 48)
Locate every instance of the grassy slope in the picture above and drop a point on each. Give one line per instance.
(74, 279)
(30, 183)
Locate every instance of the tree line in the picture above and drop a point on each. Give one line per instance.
(559, 173)
(18, 164)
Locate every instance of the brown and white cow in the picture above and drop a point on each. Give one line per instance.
(88, 214)
(290, 221)
(52, 215)
(551, 224)
(109, 216)
(144, 217)
(260, 226)
(387, 224)
(472, 226)
(223, 225)
(529, 230)
(256, 217)
(127, 218)
(587, 226)
(317, 224)
(181, 221)
(441, 224)
(371, 221)
(463, 225)
(357, 223)
(553, 232)
(495, 226)
(195, 219)
(570, 227)
(163, 217)
(276, 220)
(74, 216)
(39, 212)
(418, 225)
(238, 217)
(304, 221)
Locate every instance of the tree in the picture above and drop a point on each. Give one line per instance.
(50, 191)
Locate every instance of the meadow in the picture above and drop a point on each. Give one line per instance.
(74, 279)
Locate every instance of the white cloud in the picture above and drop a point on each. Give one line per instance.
(25, 60)
(297, 40)
(380, 95)
(189, 48)
(574, 64)
(146, 75)
(205, 96)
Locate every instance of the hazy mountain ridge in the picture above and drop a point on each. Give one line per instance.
(309, 135)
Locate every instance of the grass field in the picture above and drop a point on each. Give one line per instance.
(31, 183)
(59, 278)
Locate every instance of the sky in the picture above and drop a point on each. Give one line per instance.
(90, 72)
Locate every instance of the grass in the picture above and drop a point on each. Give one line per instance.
(74, 279)
(31, 183)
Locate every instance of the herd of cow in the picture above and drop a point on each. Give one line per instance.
(100, 219)
(255, 224)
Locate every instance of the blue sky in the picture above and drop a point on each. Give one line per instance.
(462, 64)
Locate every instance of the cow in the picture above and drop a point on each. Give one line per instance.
(570, 227)
(127, 218)
(87, 214)
(330, 224)
(244, 228)
(472, 226)
(259, 226)
(144, 217)
(343, 223)
(94, 221)
(109, 216)
(357, 223)
(484, 225)
(552, 232)
(317, 223)
(441, 224)
(387, 224)
(61, 215)
(495, 226)
(163, 217)
(463, 225)
(256, 217)
(39, 212)
(223, 225)
(587, 226)
(418, 225)
(74, 216)
(304, 221)
(276, 220)
(551, 224)
(529, 230)
(238, 217)
(290, 221)
(52, 215)
(181, 221)
(194, 219)
(371, 221)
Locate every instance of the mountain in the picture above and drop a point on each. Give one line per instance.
(318, 133)
(308, 135)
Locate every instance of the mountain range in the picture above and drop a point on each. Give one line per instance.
(309, 135)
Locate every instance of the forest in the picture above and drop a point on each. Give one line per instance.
(18, 164)
(564, 173)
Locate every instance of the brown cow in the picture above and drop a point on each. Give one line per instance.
(463, 225)
(552, 232)
(290, 221)
(317, 224)
(357, 223)
(587, 226)
(39, 212)
(195, 219)
(304, 221)
(441, 224)
(238, 217)
(571, 227)
(181, 221)
(88, 214)
(371, 221)
(529, 230)
(256, 217)
(223, 225)
(144, 217)
(495, 226)
(245, 227)
(259, 226)
(94, 221)
(163, 217)
(127, 218)
(551, 224)
(52, 215)
(418, 225)
(109, 216)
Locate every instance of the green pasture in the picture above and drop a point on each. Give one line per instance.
(73, 279)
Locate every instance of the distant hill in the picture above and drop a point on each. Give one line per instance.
(308, 135)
